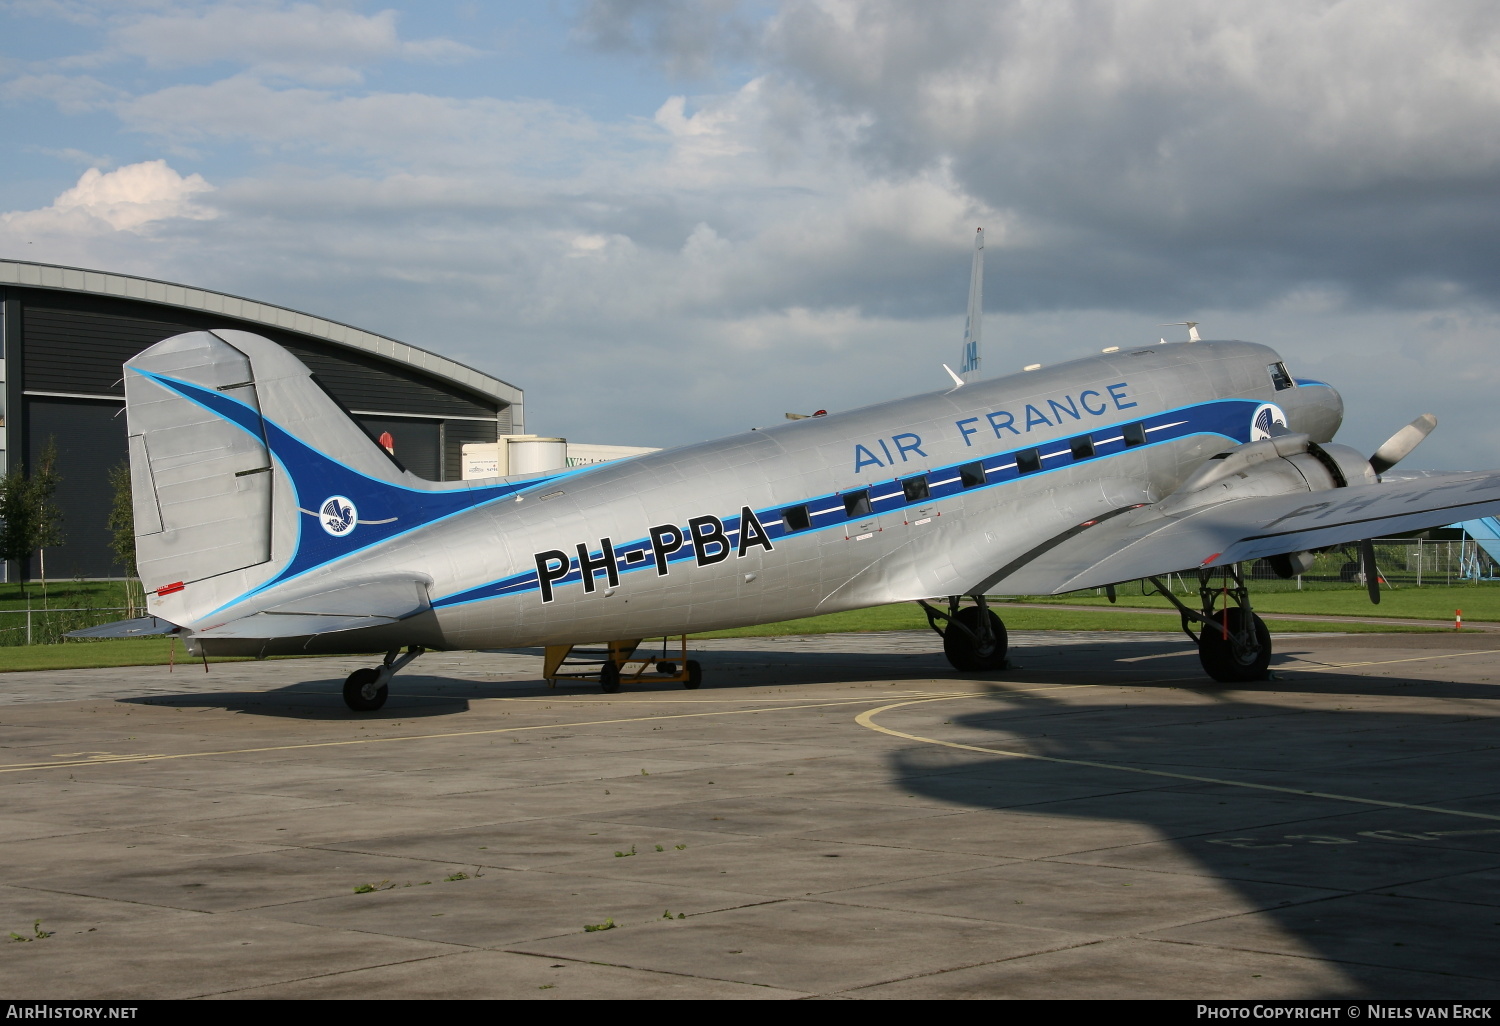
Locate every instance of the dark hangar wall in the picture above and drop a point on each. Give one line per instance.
(63, 359)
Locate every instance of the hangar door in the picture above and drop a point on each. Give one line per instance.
(90, 440)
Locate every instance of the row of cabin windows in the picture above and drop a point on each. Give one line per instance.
(970, 475)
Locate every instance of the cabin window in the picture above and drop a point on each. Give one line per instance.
(1279, 377)
(1135, 434)
(915, 489)
(971, 474)
(857, 504)
(795, 518)
(1028, 462)
(1082, 446)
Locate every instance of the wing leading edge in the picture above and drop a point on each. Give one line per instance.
(1134, 542)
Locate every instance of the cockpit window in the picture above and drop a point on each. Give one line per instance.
(1279, 377)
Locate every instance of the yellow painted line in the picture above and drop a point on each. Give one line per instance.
(595, 700)
(20, 767)
(1388, 662)
(867, 719)
(100, 758)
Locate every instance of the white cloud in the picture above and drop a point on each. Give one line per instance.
(410, 131)
(1277, 171)
(302, 41)
(128, 199)
(1248, 144)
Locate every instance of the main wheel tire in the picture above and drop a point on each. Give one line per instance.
(1225, 660)
(360, 692)
(694, 675)
(963, 649)
(609, 677)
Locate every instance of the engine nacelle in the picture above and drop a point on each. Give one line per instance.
(1280, 465)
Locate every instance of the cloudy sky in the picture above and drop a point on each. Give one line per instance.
(673, 219)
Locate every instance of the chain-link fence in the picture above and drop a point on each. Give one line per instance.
(1404, 561)
(47, 626)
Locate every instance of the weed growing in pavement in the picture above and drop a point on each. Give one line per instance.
(455, 876)
(625, 854)
(37, 934)
(608, 924)
(660, 848)
(679, 847)
(368, 888)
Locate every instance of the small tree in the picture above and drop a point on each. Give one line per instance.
(30, 521)
(122, 528)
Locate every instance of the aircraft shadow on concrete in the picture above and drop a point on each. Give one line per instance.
(416, 694)
(425, 695)
(1379, 892)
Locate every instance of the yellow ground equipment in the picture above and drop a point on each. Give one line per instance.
(619, 664)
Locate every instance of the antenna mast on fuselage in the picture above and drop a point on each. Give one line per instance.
(968, 367)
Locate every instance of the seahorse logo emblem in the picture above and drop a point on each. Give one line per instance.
(1267, 416)
(338, 515)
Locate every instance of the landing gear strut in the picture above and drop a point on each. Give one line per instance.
(1234, 645)
(367, 688)
(974, 639)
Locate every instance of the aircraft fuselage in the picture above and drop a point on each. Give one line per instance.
(897, 501)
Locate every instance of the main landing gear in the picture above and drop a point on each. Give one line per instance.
(367, 688)
(974, 639)
(1234, 645)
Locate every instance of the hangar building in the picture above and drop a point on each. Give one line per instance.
(64, 332)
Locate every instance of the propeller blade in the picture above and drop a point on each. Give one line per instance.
(1400, 445)
(1367, 564)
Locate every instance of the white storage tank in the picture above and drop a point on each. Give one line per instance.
(536, 455)
(513, 455)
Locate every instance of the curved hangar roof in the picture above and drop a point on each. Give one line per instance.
(67, 330)
(123, 286)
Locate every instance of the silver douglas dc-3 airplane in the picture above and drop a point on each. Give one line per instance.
(268, 522)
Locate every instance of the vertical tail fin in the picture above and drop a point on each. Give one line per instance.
(245, 474)
(968, 369)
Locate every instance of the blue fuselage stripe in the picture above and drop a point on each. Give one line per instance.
(1225, 418)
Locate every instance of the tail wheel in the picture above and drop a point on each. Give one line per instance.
(694, 675)
(1232, 659)
(363, 691)
(609, 677)
(963, 649)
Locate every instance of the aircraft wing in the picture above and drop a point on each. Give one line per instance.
(1134, 542)
(349, 605)
(346, 606)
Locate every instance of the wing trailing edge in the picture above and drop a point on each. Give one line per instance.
(1143, 542)
(352, 605)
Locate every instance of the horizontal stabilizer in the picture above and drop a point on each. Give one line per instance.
(1143, 543)
(140, 627)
